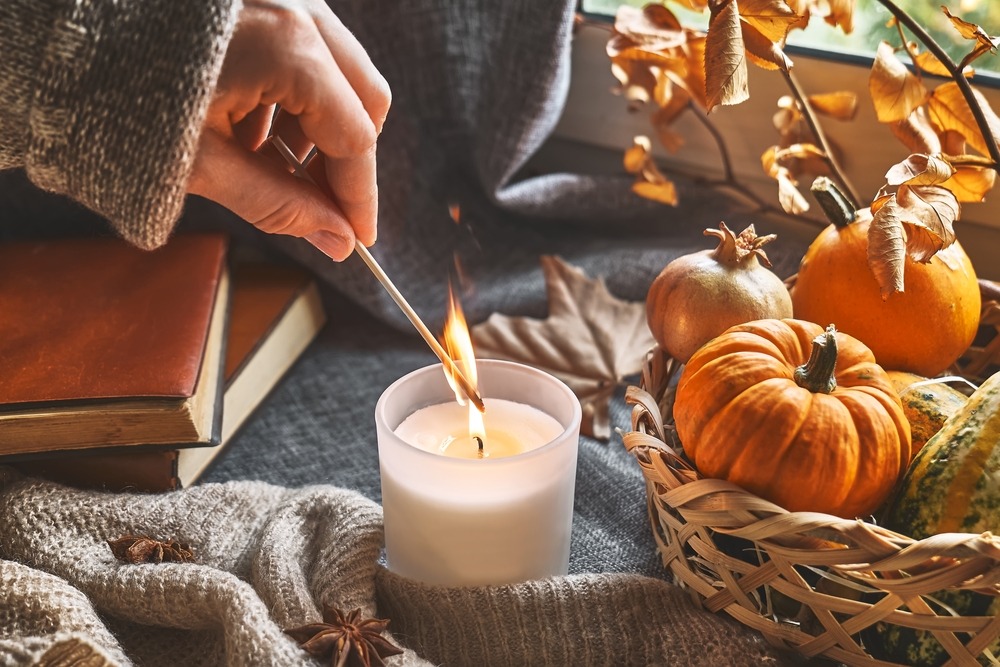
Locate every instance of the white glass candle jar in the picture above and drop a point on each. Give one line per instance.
(470, 521)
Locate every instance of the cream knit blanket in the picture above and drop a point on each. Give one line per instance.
(267, 558)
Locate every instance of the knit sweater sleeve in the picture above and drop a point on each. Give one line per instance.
(103, 101)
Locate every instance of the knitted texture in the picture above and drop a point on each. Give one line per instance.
(104, 101)
(268, 558)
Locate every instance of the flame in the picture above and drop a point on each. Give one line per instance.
(458, 343)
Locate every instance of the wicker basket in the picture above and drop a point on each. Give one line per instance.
(810, 582)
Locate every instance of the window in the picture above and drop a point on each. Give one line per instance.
(870, 26)
(597, 123)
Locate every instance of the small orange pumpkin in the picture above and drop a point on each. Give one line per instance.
(923, 329)
(797, 415)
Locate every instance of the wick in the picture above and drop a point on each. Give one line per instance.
(479, 441)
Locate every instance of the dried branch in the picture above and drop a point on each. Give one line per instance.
(956, 72)
(817, 131)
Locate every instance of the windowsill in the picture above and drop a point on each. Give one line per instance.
(596, 127)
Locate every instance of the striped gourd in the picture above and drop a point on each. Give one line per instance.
(952, 486)
(926, 404)
(953, 483)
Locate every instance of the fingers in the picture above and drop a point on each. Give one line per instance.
(268, 197)
(353, 184)
(370, 86)
(298, 55)
(252, 130)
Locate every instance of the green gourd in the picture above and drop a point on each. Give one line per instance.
(952, 486)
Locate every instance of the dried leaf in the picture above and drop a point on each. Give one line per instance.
(762, 51)
(772, 18)
(637, 155)
(694, 57)
(895, 91)
(841, 14)
(669, 139)
(842, 105)
(917, 221)
(887, 247)
(970, 184)
(970, 31)
(653, 28)
(920, 169)
(949, 111)
(725, 57)
(791, 199)
(804, 158)
(650, 182)
(929, 63)
(917, 133)
(676, 103)
(660, 189)
(694, 5)
(931, 212)
(591, 340)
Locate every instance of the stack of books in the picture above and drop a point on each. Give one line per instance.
(127, 369)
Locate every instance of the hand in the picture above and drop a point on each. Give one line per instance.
(298, 55)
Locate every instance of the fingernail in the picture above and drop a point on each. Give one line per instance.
(332, 245)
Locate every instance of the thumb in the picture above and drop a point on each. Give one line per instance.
(266, 195)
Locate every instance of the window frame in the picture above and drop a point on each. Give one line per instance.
(596, 118)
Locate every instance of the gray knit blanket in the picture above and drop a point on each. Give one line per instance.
(93, 134)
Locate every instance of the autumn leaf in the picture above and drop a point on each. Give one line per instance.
(785, 163)
(789, 197)
(763, 52)
(917, 221)
(842, 105)
(895, 91)
(725, 57)
(917, 133)
(636, 80)
(887, 247)
(653, 28)
(971, 184)
(949, 111)
(772, 18)
(929, 63)
(841, 14)
(970, 31)
(591, 340)
(650, 183)
(676, 102)
(920, 169)
(694, 5)
(931, 212)
(694, 79)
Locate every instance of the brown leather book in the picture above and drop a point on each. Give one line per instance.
(103, 344)
(275, 313)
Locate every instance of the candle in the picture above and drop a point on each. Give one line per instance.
(454, 518)
(512, 428)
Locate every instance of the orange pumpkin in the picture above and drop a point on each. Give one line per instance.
(923, 329)
(797, 415)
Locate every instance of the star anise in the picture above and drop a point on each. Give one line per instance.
(347, 640)
(142, 549)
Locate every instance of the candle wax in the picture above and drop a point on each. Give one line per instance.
(511, 428)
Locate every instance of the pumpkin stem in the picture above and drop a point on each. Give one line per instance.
(817, 374)
(734, 250)
(835, 204)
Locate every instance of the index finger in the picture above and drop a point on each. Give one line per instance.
(354, 188)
